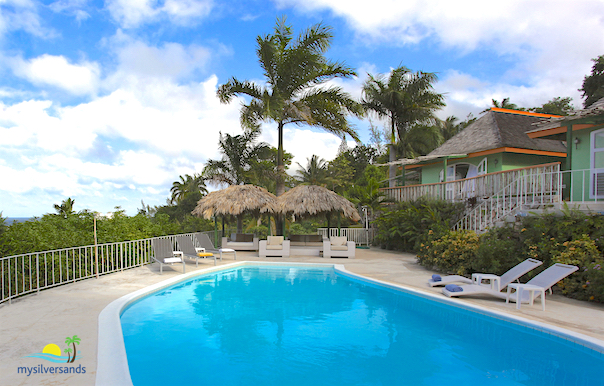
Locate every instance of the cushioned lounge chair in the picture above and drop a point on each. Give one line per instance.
(185, 245)
(206, 244)
(164, 254)
(525, 294)
(513, 274)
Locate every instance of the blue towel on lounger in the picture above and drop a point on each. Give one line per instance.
(453, 288)
(436, 278)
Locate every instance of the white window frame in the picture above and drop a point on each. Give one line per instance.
(592, 163)
(482, 167)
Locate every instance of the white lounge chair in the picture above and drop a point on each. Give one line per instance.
(185, 245)
(513, 274)
(164, 254)
(274, 246)
(525, 292)
(206, 244)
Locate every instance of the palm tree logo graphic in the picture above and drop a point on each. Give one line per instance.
(71, 341)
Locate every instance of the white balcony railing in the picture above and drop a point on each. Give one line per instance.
(480, 187)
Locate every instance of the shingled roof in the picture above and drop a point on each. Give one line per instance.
(595, 110)
(497, 129)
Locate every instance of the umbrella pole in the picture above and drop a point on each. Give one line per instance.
(222, 226)
(339, 226)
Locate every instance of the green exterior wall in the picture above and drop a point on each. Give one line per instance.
(495, 163)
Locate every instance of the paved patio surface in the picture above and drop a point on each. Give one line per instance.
(30, 323)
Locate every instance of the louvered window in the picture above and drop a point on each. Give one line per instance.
(597, 164)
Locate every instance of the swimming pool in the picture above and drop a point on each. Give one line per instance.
(319, 325)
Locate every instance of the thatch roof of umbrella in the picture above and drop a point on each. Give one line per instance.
(312, 200)
(235, 201)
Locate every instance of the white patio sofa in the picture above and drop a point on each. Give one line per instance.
(274, 246)
(241, 242)
(338, 247)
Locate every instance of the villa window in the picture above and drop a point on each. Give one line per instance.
(597, 164)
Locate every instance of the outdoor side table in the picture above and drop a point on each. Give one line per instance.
(494, 280)
(526, 287)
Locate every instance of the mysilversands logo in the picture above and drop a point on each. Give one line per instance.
(52, 353)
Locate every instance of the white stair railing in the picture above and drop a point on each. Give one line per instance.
(527, 190)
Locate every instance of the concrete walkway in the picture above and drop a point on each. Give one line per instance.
(30, 323)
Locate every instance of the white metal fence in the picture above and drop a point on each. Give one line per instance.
(360, 236)
(32, 272)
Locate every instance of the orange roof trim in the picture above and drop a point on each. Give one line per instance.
(530, 113)
(557, 130)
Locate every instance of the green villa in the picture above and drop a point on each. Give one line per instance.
(508, 162)
(496, 142)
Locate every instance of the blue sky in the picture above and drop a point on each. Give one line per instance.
(108, 102)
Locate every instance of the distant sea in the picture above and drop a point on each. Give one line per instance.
(10, 220)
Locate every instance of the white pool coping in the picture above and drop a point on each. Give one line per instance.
(112, 362)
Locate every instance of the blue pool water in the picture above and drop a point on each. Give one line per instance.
(294, 326)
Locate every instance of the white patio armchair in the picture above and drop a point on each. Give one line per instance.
(274, 246)
(338, 247)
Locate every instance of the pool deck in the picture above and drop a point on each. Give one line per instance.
(33, 321)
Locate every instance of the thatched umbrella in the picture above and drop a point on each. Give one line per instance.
(236, 200)
(312, 200)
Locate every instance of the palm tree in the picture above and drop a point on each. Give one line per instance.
(73, 340)
(66, 207)
(187, 185)
(68, 351)
(239, 155)
(405, 99)
(315, 172)
(295, 90)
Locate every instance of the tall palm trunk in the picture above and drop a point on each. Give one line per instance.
(392, 155)
(280, 188)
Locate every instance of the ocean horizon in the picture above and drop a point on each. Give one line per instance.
(10, 220)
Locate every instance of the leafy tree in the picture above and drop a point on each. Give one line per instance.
(593, 84)
(340, 174)
(556, 106)
(448, 127)
(66, 207)
(295, 90)
(405, 99)
(369, 195)
(315, 172)
(239, 154)
(504, 104)
(187, 185)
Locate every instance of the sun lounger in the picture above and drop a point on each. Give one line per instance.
(164, 254)
(525, 292)
(185, 245)
(204, 242)
(513, 274)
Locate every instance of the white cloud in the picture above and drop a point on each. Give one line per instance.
(71, 7)
(549, 52)
(171, 60)
(133, 13)
(22, 15)
(79, 79)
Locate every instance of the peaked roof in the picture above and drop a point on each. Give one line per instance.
(496, 129)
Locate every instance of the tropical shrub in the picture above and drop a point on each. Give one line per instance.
(452, 252)
(498, 251)
(406, 226)
(588, 282)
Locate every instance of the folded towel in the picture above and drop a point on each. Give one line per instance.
(453, 288)
(436, 278)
